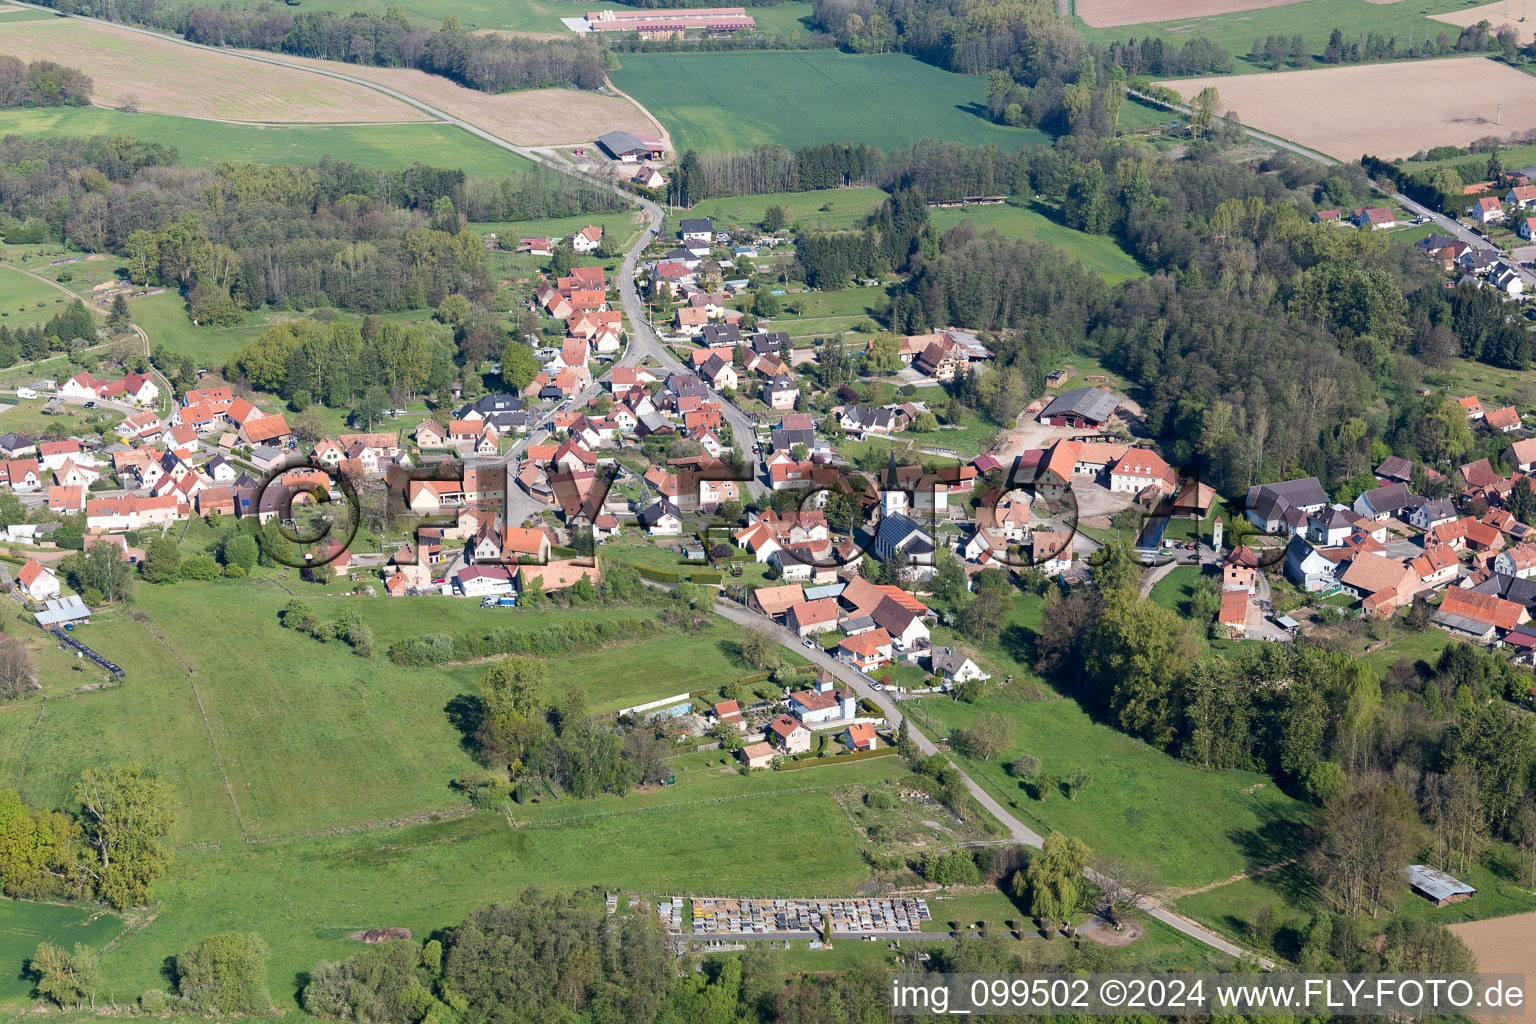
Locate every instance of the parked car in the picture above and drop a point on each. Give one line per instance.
(808, 644)
(25, 393)
(93, 405)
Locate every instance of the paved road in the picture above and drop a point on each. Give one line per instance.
(1460, 231)
(1017, 830)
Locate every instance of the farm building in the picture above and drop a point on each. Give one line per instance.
(1083, 407)
(1436, 886)
(629, 147)
(664, 24)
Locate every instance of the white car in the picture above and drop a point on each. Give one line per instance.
(808, 644)
(25, 393)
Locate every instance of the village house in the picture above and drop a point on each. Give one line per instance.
(662, 519)
(1284, 505)
(1383, 584)
(866, 651)
(952, 666)
(759, 755)
(1486, 210)
(789, 735)
(858, 736)
(37, 581)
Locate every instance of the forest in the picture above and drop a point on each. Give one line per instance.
(42, 83)
(240, 236)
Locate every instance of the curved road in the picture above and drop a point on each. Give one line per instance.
(643, 342)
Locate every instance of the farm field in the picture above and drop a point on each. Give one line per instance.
(1395, 110)
(1313, 20)
(201, 142)
(733, 101)
(1114, 13)
(534, 117)
(24, 925)
(1496, 14)
(166, 77)
(1502, 944)
(1099, 253)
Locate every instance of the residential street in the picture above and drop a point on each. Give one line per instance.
(1456, 229)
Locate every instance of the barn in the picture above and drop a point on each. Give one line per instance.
(1084, 407)
(1436, 886)
(629, 147)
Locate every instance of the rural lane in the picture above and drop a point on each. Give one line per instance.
(1254, 133)
(1017, 830)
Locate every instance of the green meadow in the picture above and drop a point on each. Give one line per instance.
(734, 101)
(314, 792)
(1098, 253)
(24, 925)
(201, 142)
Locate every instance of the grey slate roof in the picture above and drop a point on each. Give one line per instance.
(660, 508)
(1090, 403)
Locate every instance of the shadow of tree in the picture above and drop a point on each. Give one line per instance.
(465, 713)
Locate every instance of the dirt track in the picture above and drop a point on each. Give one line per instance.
(1114, 13)
(537, 117)
(166, 78)
(1393, 110)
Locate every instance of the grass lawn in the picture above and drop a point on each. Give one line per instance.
(824, 210)
(199, 141)
(310, 738)
(1313, 20)
(24, 925)
(164, 318)
(26, 417)
(1176, 590)
(1505, 387)
(1098, 253)
(813, 314)
(733, 101)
